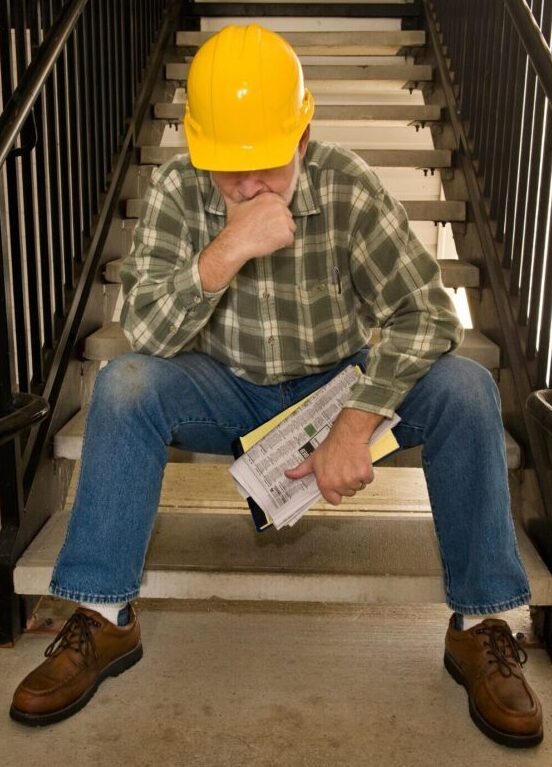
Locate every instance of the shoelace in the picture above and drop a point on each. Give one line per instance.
(505, 649)
(76, 634)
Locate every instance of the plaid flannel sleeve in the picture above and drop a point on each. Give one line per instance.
(164, 305)
(400, 285)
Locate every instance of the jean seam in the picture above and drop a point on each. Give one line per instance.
(209, 422)
(84, 442)
(446, 570)
(84, 596)
(496, 607)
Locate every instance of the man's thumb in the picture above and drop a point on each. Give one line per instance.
(299, 471)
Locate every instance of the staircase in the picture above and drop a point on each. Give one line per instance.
(372, 95)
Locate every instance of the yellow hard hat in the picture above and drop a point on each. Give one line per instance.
(247, 106)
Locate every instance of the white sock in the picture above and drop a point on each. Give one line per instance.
(108, 610)
(470, 621)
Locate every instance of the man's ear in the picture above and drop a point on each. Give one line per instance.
(304, 141)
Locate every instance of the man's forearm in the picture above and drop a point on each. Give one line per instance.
(360, 424)
(219, 262)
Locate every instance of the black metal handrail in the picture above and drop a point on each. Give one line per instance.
(75, 89)
(539, 405)
(502, 121)
(28, 410)
(534, 42)
(21, 102)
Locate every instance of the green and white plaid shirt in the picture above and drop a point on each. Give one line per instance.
(354, 265)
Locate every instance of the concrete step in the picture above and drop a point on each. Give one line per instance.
(373, 556)
(456, 274)
(417, 210)
(402, 113)
(366, 43)
(392, 158)
(68, 444)
(109, 342)
(403, 73)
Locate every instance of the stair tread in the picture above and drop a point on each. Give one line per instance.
(400, 112)
(416, 210)
(206, 487)
(109, 341)
(366, 559)
(455, 273)
(369, 42)
(393, 158)
(401, 72)
(68, 441)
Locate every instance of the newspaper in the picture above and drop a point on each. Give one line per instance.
(259, 473)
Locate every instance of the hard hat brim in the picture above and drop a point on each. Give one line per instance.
(212, 156)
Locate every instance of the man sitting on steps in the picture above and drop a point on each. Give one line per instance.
(258, 267)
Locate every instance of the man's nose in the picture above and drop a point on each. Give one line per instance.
(250, 185)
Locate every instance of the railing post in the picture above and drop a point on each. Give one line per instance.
(67, 134)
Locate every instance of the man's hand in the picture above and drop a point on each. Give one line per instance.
(254, 228)
(259, 226)
(342, 464)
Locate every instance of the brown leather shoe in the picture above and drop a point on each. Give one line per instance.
(86, 651)
(487, 660)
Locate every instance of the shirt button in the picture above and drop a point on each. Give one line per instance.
(197, 300)
(266, 295)
(270, 340)
(172, 328)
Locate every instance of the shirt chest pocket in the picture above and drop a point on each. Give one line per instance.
(326, 304)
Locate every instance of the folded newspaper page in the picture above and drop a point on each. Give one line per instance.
(259, 473)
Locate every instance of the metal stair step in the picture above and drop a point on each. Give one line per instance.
(392, 112)
(366, 43)
(404, 73)
(383, 558)
(390, 158)
(416, 210)
(402, 183)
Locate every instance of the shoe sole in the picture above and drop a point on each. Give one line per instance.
(114, 669)
(504, 738)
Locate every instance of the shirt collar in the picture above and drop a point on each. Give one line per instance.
(303, 202)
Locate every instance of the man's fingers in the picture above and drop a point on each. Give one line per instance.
(299, 471)
(331, 497)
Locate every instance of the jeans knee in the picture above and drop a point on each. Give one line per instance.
(126, 381)
(468, 387)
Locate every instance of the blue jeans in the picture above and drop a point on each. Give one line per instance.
(141, 404)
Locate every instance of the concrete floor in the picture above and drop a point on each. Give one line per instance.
(274, 686)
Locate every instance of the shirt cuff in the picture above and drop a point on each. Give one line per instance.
(189, 289)
(375, 399)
